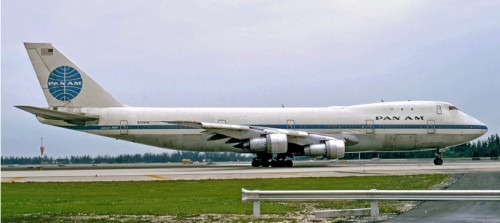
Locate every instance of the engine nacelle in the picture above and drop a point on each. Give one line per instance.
(257, 144)
(277, 143)
(332, 149)
(272, 143)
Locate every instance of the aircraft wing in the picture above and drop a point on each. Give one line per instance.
(238, 133)
(57, 115)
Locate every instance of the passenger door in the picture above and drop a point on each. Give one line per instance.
(370, 129)
(123, 127)
(431, 126)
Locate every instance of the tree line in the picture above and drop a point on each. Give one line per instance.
(177, 156)
(489, 147)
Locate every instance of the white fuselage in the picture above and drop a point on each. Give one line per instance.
(389, 126)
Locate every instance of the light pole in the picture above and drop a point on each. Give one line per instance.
(42, 149)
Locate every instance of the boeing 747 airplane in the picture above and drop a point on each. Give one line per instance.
(77, 102)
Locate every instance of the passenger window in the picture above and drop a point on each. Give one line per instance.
(438, 109)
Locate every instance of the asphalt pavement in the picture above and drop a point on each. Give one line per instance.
(459, 211)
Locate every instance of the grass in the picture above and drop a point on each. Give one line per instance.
(34, 202)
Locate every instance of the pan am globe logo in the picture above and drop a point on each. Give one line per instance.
(65, 83)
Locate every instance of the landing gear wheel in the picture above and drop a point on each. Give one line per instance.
(277, 163)
(279, 160)
(262, 159)
(265, 163)
(281, 163)
(438, 161)
(274, 163)
(255, 163)
(288, 163)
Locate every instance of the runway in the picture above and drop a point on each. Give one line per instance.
(244, 171)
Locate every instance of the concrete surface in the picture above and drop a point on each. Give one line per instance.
(327, 169)
(343, 213)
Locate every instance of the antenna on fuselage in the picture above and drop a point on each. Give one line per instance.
(382, 100)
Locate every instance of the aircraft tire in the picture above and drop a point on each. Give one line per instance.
(274, 163)
(438, 161)
(288, 163)
(265, 163)
(255, 163)
(282, 163)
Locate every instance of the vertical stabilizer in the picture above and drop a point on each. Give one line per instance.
(64, 84)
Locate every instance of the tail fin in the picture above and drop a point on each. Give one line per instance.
(63, 82)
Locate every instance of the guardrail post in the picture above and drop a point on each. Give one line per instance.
(374, 206)
(253, 196)
(256, 209)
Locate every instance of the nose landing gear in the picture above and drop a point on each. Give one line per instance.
(438, 160)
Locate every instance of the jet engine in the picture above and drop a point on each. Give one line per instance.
(332, 149)
(272, 143)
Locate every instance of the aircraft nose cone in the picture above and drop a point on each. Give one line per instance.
(484, 128)
(480, 126)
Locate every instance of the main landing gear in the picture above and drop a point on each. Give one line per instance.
(262, 159)
(438, 160)
(266, 160)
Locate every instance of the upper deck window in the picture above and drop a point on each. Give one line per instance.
(453, 108)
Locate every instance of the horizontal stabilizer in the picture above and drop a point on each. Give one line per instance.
(57, 115)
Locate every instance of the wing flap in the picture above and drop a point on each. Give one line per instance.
(230, 130)
(208, 125)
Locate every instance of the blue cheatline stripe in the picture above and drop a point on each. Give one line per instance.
(327, 126)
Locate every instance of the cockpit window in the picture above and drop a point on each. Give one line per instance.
(453, 108)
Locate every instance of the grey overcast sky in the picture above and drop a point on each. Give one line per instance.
(250, 54)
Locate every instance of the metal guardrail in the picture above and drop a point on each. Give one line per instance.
(373, 196)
